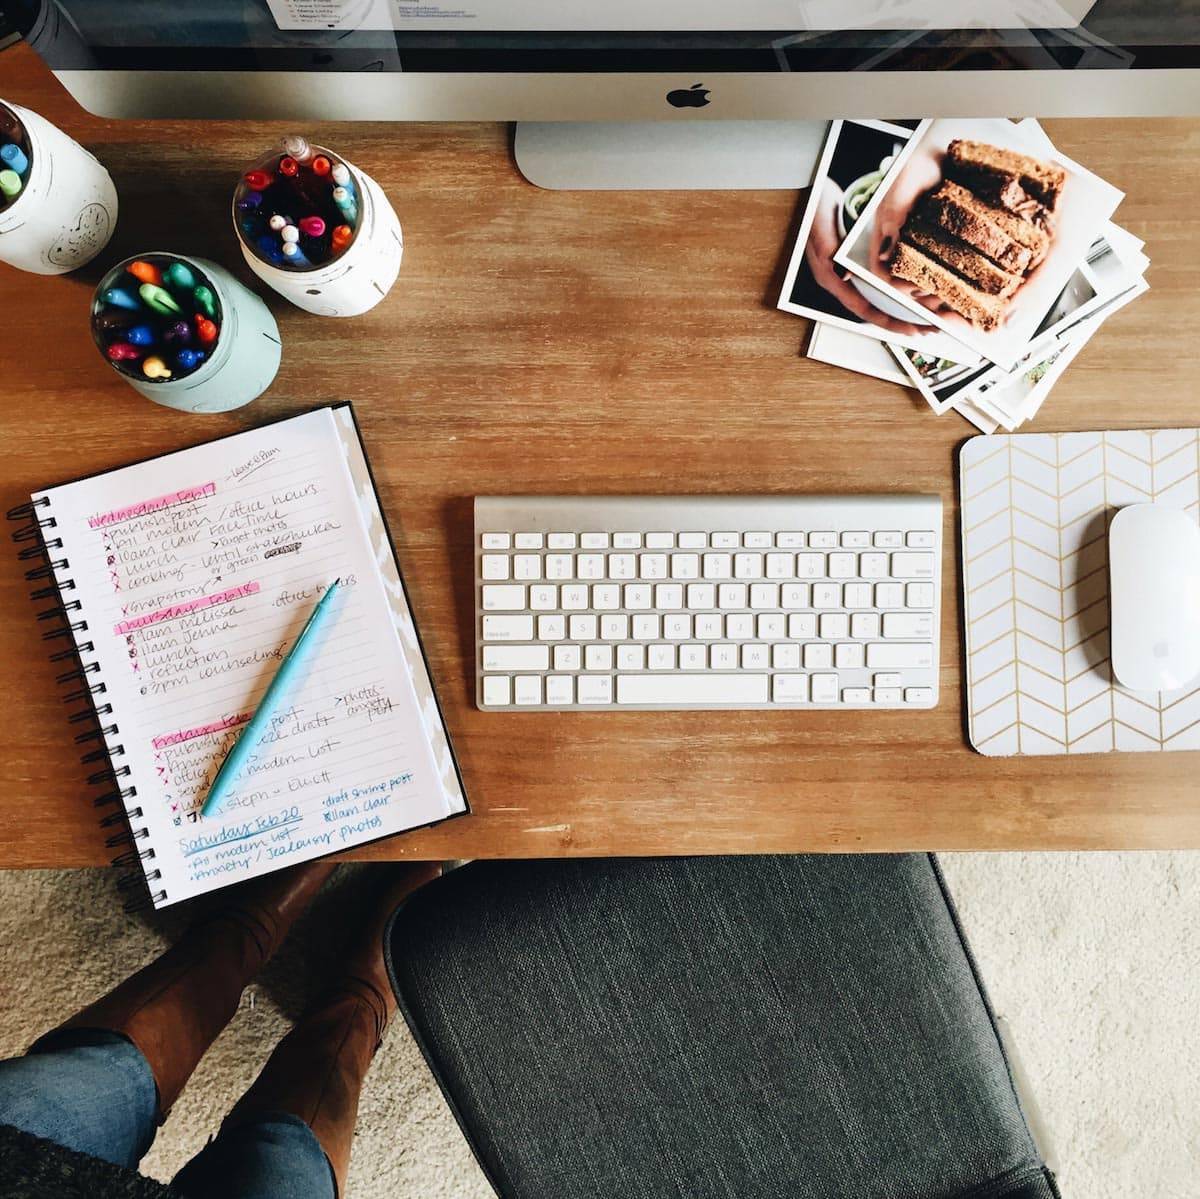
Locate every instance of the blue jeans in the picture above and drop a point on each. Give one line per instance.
(93, 1092)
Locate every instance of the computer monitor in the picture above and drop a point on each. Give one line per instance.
(660, 92)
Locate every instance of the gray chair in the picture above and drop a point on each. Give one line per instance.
(713, 1028)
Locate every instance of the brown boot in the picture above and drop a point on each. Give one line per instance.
(317, 1070)
(173, 1009)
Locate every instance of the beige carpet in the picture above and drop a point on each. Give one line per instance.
(1093, 959)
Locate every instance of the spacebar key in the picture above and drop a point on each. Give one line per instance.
(688, 690)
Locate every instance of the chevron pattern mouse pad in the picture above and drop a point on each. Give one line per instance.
(1035, 514)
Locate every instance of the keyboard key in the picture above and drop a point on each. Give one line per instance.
(595, 688)
(732, 595)
(660, 541)
(795, 595)
(790, 688)
(622, 566)
(823, 688)
(910, 625)
(771, 626)
(573, 597)
(668, 596)
(834, 626)
(856, 539)
(718, 566)
(888, 680)
(856, 695)
(802, 625)
(843, 566)
(756, 656)
(856, 595)
(551, 628)
(561, 541)
(789, 541)
(529, 541)
(873, 566)
(739, 626)
(560, 566)
(818, 656)
(723, 656)
(918, 595)
(781, 566)
(567, 657)
(496, 689)
(889, 539)
(918, 695)
(864, 625)
(614, 628)
(701, 595)
(710, 626)
(597, 657)
(848, 656)
(543, 597)
(589, 566)
(726, 541)
(757, 540)
(494, 566)
(583, 628)
(822, 540)
(661, 657)
(652, 566)
(810, 566)
(921, 540)
(560, 689)
(496, 541)
(889, 595)
(647, 628)
(631, 657)
(687, 690)
(516, 657)
(500, 597)
(638, 596)
(677, 627)
(508, 628)
(693, 541)
(627, 541)
(785, 657)
(827, 595)
(747, 566)
(593, 541)
(912, 566)
(606, 597)
(888, 695)
(693, 657)
(527, 566)
(764, 595)
(900, 655)
(527, 689)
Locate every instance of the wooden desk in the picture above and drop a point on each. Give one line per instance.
(592, 342)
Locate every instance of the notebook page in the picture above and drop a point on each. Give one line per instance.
(196, 572)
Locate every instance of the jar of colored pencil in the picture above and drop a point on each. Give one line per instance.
(58, 205)
(320, 231)
(185, 333)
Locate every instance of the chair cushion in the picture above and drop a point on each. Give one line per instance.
(713, 1027)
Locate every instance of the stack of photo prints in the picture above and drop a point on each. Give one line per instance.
(966, 258)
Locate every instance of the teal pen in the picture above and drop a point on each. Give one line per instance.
(260, 721)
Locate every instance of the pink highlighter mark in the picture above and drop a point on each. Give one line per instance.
(201, 730)
(157, 504)
(174, 610)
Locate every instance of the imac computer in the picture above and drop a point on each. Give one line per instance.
(626, 93)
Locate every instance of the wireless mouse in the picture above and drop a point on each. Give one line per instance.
(1154, 592)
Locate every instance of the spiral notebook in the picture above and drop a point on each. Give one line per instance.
(182, 582)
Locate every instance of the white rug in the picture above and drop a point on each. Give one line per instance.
(1093, 959)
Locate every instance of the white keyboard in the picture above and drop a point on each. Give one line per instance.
(707, 602)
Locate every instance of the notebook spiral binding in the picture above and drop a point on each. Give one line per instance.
(40, 547)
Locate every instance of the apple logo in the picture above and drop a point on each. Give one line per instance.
(695, 96)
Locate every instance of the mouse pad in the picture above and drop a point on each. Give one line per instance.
(1035, 515)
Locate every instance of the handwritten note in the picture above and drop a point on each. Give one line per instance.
(196, 572)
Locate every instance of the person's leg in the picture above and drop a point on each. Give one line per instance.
(313, 1080)
(101, 1082)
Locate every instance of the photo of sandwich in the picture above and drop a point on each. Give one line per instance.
(977, 228)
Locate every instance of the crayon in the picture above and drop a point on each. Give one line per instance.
(297, 147)
(206, 331)
(180, 331)
(312, 226)
(10, 184)
(343, 235)
(158, 300)
(278, 222)
(340, 173)
(118, 297)
(121, 351)
(145, 272)
(188, 360)
(289, 233)
(113, 320)
(205, 300)
(250, 201)
(15, 159)
(180, 276)
(346, 203)
(11, 128)
(294, 255)
(289, 167)
(155, 368)
(258, 180)
(321, 165)
(140, 335)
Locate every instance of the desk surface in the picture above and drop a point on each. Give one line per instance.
(592, 342)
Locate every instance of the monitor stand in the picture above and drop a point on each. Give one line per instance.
(672, 154)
